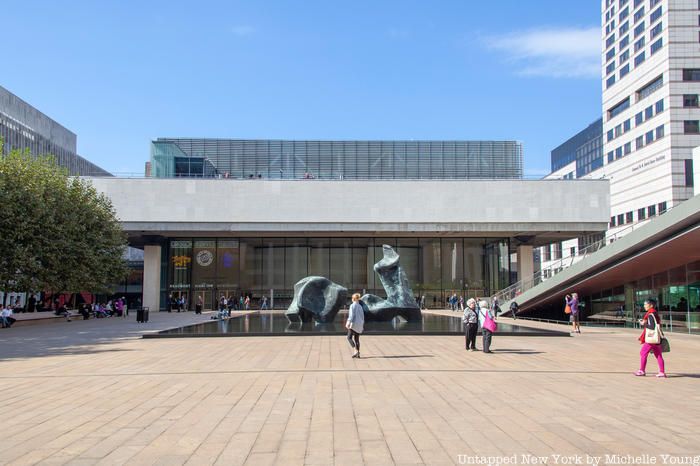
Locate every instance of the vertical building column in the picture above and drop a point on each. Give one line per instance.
(696, 171)
(151, 277)
(526, 263)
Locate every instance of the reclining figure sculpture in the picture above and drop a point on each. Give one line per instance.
(319, 299)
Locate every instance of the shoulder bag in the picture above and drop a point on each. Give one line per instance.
(653, 335)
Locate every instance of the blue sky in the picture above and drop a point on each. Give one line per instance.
(120, 73)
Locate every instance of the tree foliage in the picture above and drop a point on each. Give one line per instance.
(57, 232)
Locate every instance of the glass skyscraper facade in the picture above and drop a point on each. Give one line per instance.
(586, 148)
(24, 127)
(335, 160)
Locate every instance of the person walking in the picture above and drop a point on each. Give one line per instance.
(485, 314)
(355, 324)
(198, 306)
(514, 309)
(572, 301)
(471, 325)
(651, 339)
(263, 305)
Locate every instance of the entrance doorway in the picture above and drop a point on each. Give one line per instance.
(174, 299)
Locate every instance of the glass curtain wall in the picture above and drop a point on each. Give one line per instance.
(436, 267)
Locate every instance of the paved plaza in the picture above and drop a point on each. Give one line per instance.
(94, 392)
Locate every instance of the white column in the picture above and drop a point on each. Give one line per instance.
(526, 263)
(151, 277)
(696, 171)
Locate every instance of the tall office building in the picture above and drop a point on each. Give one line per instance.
(24, 127)
(651, 83)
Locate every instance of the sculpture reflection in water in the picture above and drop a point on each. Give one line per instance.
(319, 299)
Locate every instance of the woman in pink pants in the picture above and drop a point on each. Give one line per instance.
(648, 322)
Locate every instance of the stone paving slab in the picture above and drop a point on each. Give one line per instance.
(94, 392)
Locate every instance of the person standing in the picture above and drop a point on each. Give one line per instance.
(355, 324)
(514, 309)
(486, 334)
(198, 306)
(471, 325)
(652, 322)
(247, 303)
(572, 302)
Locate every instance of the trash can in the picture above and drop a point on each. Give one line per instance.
(142, 315)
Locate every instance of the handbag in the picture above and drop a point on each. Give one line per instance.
(489, 323)
(665, 345)
(653, 335)
(567, 309)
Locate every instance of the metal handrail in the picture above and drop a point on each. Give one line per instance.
(525, 284)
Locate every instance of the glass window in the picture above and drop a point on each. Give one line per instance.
(659, 132)
(619, 108)
(655, 31)
(691, 74)
(639, 59)
(638, 45)
(659, 107)
(639, 14)
(650, 88)
(641, 213)
(649, 137)
(341, 259)
(227, 263)
(656, 14)
(430, 268)
(688, 166)
(639, 119)
(624, 13)
(319, 257)
(639, 29)
(610, 81)
(618, 153)
(627, 148)
(452, 264)
(610, 40)
(653, 3)
(621, 219)
(624, 28)
(625, 42)
(611, 156)
(409, 250)
(618, 130)
(639, 143)
(690, 100)
(624, 70)
(273, 266)
(612, 221)
(626, 125)
(648, 112)
(629, 218)
(296, 262)
(662, 207)
(610, 54)
(610, 67)
(651, 211)
(180, 265)
(204, 265)
(610, 135)
(656, 46)
(691, 127)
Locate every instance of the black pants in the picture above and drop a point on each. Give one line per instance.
(487, 340)
(356, 336)
(198, 309)
(470, 335)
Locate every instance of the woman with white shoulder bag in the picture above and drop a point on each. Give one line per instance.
(651, 339)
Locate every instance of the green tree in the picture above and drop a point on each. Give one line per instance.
(57, 232)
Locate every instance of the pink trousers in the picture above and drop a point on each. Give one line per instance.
(646, 348)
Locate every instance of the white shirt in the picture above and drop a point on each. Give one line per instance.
(7, 312)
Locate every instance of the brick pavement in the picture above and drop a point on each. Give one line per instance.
(94, 393)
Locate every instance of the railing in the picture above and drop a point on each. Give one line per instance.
(302, 177)
(516, 289)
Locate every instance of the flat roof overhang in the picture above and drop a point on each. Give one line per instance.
(531, 212)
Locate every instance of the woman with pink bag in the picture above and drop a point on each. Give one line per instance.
(487, 324)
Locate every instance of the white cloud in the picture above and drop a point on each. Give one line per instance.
(242, 30)
(554, 52)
